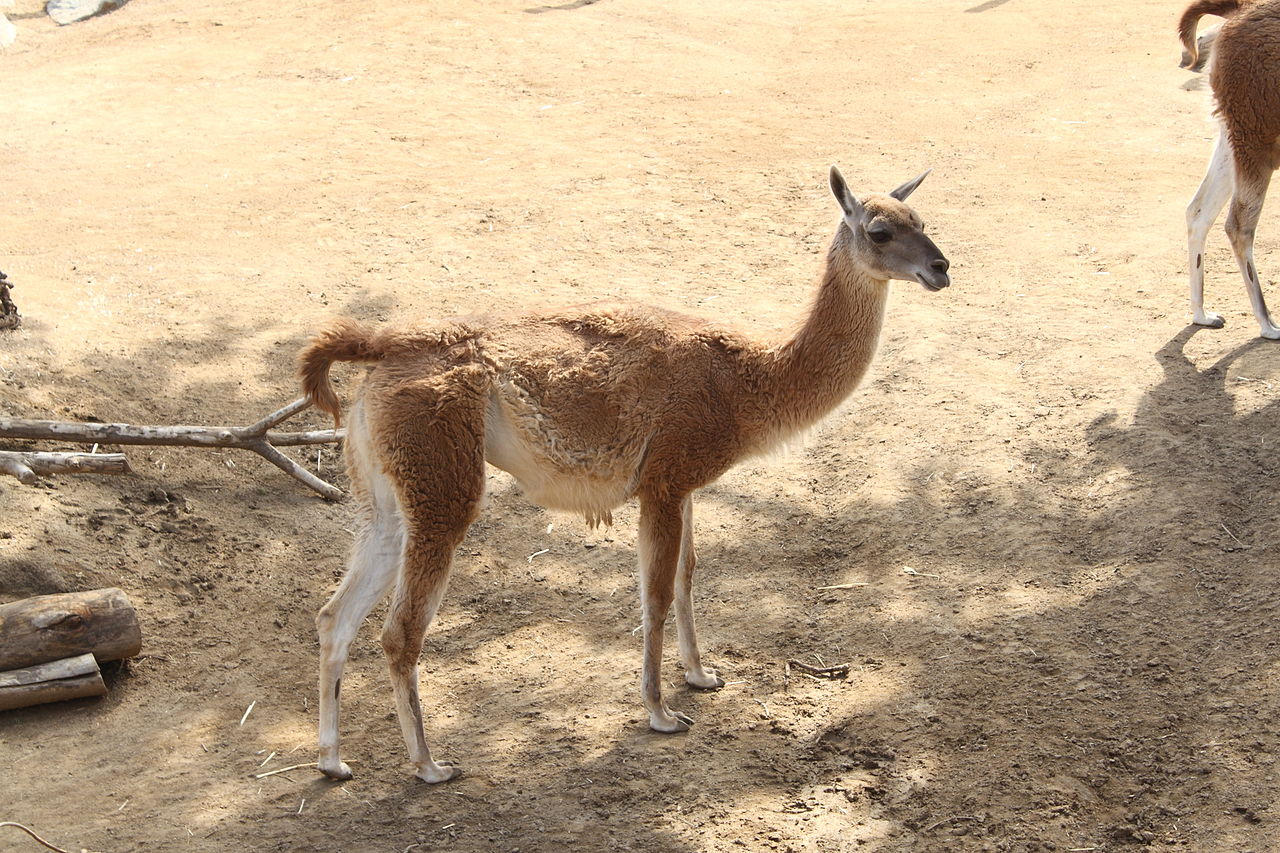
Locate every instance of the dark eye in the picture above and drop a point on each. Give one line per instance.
(880, 235)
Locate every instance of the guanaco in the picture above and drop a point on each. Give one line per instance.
(586, 408)
(1244, 73)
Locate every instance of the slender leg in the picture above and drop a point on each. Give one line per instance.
(1242, 223)
(661, 521)
(1204, 208)
(695, 675)
(372, 568)
(417, 598)
(436, 456)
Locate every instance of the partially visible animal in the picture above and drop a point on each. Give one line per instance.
(587, 408)
(1195, 48)
(1245, 77)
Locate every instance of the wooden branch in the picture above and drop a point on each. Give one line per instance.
(55, 681)
(25, 466)
(820, 671)
(293, 469)
(31, 832)
(257, 438)
(50, 627)
(315, 436)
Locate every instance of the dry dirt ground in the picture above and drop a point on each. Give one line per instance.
(1084, 656)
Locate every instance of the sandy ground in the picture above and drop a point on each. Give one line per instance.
(1084, 656)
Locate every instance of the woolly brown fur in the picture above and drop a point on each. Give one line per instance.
(1245, 76)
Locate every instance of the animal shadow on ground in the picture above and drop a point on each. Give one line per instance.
(1105, 686)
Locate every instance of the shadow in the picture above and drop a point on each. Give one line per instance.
(987, 6)
(563, 7)
(106, 7)
(1191, 444)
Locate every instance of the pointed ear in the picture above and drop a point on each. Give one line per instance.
(851, 206)
(909, 187)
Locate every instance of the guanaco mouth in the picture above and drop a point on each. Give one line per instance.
(932, 286)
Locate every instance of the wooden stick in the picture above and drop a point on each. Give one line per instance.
(65, 668)
(27, 465)
(256, 437)
(284, 770)
(821, 671)
(29, 831)
(69, 678)
(314, 436)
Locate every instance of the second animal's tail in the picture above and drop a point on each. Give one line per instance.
(345, 340)
(1191, 17)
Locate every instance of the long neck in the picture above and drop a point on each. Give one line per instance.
(809, 375)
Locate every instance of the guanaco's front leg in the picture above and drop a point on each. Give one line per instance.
(695, 675)
(661, 532)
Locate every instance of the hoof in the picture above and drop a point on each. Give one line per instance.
(339, 772)
(1271, 334)
(673, 723)
(706, 680)
(1210, 321)
(434, 774)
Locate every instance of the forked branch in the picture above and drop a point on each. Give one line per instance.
(257, 437)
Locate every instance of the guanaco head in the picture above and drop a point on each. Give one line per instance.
(887, 237)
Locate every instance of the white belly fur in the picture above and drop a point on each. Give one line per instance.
(523, 445)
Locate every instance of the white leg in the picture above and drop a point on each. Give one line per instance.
(695, 675)
(1242, 223)
(375, 562)
(1204, 208)
(372, 568)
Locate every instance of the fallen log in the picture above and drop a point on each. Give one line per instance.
(37, 630)
(257, 438)
(55, 681)
(26, 466)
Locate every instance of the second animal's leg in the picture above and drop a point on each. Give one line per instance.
(695, 675)
(372, 568)
(661, 523)
(1204, 208)
(1251, 182)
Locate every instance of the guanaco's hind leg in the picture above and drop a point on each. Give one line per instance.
(661, 534)
(436, 455)
(695, 675)
(372, 569)
(417, 598)
(1251, 182)
(1204, 208)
